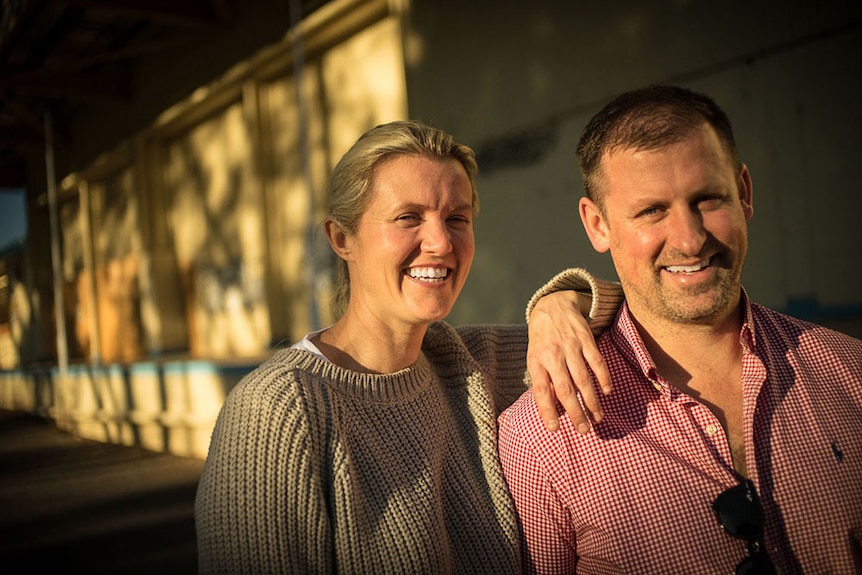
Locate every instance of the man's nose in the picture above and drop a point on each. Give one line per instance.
(687, 233)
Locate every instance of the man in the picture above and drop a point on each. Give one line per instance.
(733, 438)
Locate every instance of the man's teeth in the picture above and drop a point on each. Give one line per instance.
(428, 273)
(688, 269)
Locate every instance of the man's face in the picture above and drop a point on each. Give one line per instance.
(675, 222)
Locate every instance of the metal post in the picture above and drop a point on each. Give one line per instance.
(298, 56)
(56, 257)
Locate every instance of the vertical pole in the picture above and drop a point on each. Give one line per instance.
(56, 258)
(302, 119)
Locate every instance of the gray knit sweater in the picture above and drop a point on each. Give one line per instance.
(316, 469)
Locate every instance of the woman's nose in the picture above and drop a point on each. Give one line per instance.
(436, 237)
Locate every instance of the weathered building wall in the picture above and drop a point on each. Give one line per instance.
(187, 243)
(518, 81)
(187, 213)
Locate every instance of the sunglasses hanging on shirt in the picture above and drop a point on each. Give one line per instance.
(741, 516)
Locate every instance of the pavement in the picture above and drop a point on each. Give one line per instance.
(72, 505)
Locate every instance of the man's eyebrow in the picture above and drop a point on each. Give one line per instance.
(713, 189)
(645, 201)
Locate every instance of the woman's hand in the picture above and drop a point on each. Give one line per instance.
(561, 347)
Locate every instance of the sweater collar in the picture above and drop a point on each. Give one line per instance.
(385, 387)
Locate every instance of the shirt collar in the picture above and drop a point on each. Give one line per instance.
(746, 335)
(628, 340)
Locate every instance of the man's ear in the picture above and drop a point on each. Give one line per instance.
(594, 225)
(746, 192)
(338, 239)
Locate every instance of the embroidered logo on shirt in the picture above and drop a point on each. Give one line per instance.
(836, 451)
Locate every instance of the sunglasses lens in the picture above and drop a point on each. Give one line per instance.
(756, 565)
(738, 511)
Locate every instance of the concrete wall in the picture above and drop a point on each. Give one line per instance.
(215, 191)
(166, 406)
(518, 81)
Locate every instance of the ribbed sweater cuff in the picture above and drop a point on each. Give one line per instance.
(607, 295)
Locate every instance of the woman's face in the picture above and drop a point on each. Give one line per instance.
(414, 244)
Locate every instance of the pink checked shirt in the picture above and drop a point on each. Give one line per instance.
(635, 495)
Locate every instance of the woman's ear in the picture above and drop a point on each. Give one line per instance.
(338, 239)
(595, 225)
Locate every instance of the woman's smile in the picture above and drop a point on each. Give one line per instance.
(428, 274)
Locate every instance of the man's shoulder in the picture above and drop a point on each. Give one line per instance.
(522, 414)
(776, 329)
(765, 316)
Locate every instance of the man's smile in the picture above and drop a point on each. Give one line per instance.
(689, 269)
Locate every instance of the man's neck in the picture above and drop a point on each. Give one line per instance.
(683, 356)
(704, 362)
(684, 350)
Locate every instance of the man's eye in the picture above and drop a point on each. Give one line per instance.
(459, 222)
(708, 204)
(407, 218)
(647, 212)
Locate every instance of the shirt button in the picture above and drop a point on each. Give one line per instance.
(711, 429)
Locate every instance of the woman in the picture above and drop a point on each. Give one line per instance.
(370, 446)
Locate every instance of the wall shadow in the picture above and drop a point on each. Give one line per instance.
(79, 506)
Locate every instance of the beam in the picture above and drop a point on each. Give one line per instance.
(75, 85)
(12, 175)
(17, 23)
(136, 50)
(19, 136)
(183, 13)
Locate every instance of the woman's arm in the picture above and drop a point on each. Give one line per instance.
(562, 345)
(260, 506)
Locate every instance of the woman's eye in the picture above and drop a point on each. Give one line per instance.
(459, 222)
(407, 219)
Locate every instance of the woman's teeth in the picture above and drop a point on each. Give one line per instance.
(428, 274)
